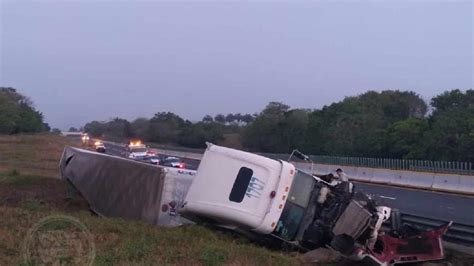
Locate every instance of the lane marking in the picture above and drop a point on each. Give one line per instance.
(385, 197)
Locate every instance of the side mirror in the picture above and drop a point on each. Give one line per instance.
(301, 156)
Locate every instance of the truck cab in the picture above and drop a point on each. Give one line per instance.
(239, 189)
(251, 193)
(245, 191)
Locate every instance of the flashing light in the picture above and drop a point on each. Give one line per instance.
(137, 143)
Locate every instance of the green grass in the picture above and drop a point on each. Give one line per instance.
(14, 177)
(131, 242)
(34, 205)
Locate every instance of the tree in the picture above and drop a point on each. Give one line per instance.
(452, 100)
(140, 128)
(405, 139)
(266, 132)
(275, 109)
(116, 129)
(248, 118)
(208, 119)
(196, 135)
(96, 129)
(119, 128)
(56, 131)
(229, 118)
(165, 127)
(220, 118)
(17, 114)
(451, 133)
(73, 129)
(357, 126)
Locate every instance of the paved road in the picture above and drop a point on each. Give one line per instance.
(119, 150)
(442, 206)
(436, 205)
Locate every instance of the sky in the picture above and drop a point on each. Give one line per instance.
(94, 60)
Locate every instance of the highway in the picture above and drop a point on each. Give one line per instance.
(435, 205)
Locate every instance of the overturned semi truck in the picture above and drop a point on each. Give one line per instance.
(253, 194)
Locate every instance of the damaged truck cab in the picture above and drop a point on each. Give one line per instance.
(247, 192)
(236, 189)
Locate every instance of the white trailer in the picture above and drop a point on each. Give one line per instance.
(117, 187)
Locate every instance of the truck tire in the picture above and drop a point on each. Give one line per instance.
(344, 244)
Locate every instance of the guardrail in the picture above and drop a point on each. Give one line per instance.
(448, 167)
(400, 164)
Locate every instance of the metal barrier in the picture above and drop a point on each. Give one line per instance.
(461, 168)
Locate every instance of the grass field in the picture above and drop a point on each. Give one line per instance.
(30, 189)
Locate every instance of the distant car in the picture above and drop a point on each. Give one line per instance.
(85, 138)
(152, 159)
(172, 162)
(99, 146)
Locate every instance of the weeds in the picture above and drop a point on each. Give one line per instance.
(14, 178)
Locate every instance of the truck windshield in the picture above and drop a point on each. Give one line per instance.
(295, 206)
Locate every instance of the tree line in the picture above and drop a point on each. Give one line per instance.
(169, 128)
(17, 114)
(388, 124)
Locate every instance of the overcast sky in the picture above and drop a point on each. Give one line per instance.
(89, 60)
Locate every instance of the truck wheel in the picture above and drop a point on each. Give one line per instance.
(343, 244)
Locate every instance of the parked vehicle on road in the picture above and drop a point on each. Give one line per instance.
(85, 138)
(135, 150)
(99, 146)
(172, 162)
(152, 159)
